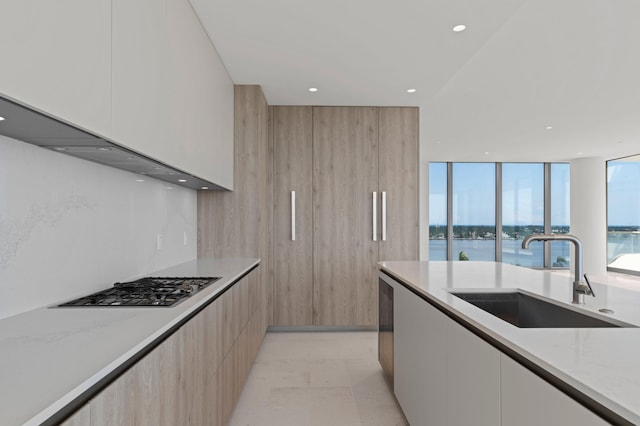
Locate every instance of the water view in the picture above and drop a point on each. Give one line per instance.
(523, 200)
(623, 248)
(512, 252)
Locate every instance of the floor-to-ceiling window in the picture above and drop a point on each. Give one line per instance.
(623, 214)
(474, 211)
(438, 211)
(522, 212)
(482, 211)
(559, 211)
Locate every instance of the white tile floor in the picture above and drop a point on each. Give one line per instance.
(317, 379)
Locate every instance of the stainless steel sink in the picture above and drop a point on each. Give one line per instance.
(525, 311)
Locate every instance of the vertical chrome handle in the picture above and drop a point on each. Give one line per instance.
(375, 218)
(384, 216)
(293, 215)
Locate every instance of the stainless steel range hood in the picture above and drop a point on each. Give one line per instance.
(25, 124)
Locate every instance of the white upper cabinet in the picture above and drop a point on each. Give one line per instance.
(56, 57)
(142, 73)
(202, 98)
(172, 96)
(140, 76)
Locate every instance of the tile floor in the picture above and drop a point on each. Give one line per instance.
(317, 379)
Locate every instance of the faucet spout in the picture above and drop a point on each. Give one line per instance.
(579, 287)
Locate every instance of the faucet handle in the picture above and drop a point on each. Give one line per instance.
(590, 291)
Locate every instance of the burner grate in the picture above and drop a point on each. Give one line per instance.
(148, 291)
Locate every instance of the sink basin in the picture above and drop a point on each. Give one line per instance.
(525, 311)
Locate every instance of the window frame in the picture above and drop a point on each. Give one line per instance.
(609, 268)
(547, 261)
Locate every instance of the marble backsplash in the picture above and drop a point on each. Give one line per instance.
(69, 227)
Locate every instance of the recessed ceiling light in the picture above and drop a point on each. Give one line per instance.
(486, 153)
(169, 187)
(580, 153)
(313, 89)
(548, 128)
(103, 148)
(411, 90)
(182, 180)
(60, 148)
(130, 158)
(139, 180)
(205, 187)
(459, 28)
(1, 118)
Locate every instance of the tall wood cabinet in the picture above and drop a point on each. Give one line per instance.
(237, 224)
(345, 177)
(340, 161)
(292, 131)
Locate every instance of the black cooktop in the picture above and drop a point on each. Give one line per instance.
(151, 291)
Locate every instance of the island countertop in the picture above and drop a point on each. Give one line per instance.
(600, 363)
(51, 356)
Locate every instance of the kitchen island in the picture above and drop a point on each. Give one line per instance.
(53, 361)
(455, 362)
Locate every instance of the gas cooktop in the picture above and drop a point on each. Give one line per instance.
(151, 291)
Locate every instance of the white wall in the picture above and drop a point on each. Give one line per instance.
(589, 211)
(69, 227)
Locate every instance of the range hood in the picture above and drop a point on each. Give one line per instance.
(25, 124)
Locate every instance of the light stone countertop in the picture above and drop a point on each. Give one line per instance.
(601, 363)
(50, 356)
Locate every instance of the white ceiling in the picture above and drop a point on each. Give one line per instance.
(520, 66)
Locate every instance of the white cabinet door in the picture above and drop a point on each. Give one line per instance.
(443, 373)
(202, 97)
(172, 96)
(420, 359)
(527, 400)
(473, 379)
(56, 57)
(140, 76)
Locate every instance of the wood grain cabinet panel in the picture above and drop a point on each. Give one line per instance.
(345, 176)
(81, 417)
(293, 259)
(398, 179)
(238, 223)
(335, 158)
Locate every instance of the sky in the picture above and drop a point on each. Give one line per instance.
(623, 193)
(522, 193)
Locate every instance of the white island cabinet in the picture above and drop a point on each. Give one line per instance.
(527, 400)
(443, 373)
(452, 365)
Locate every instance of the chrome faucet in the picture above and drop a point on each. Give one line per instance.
(579, 286)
